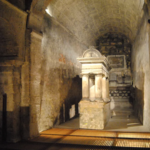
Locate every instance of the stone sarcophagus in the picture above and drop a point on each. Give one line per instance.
(94, 107)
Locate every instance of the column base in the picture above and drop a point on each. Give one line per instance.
(93, 115)
(99, 100)
(106, 100)
(85, 99)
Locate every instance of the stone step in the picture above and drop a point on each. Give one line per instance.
(114, 99)
(122, 112)
(124, 117)
(120, 105)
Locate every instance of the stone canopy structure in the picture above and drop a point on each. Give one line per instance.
(95, 76)
(94, 107)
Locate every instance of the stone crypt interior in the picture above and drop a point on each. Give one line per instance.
(77, 64)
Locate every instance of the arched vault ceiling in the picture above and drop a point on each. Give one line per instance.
(89, 19)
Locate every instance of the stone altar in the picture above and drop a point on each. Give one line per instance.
(120, 85)
(94, 108)
(120, 82)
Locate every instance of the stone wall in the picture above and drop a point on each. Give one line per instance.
(21, 4)
(12, 53)
(140, 71)
(18, 3)
(6, 86)
(12, 31)
(55, 83)
(39, 74)
(35, 81)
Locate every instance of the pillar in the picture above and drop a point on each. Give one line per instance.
(98, 87)
(107, 86)
(85, 87)
(104, 89)
(92, 88)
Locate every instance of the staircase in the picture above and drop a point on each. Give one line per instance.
(121, 108)
(122, 113)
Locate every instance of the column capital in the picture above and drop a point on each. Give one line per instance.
(81, 75)
(98, 74)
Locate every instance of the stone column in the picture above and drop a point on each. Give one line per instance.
(85, 87)
(107, 85)
(92, 88)
(104, 89)
(98, 87)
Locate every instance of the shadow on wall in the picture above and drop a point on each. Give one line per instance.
(6, 125)
(13, 118)
(22, 4)
(7, 130)
(138, 96)
(24, 125)
(139, 104)
(3, 118)
(69, 108)
(6, 114)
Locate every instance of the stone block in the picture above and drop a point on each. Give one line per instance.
(94, 115)
(72, 111)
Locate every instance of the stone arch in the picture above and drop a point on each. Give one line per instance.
(91, 52)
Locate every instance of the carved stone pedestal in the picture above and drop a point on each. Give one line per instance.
(94, 115)
(95, 104)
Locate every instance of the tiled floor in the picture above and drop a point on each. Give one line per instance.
(119, 133)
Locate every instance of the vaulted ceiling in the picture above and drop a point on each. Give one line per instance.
(90, 19)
